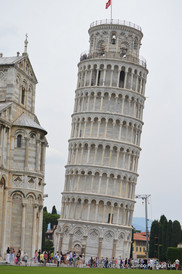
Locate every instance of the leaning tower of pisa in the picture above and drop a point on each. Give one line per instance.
(104, 147)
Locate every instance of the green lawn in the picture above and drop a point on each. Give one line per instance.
(65, 270)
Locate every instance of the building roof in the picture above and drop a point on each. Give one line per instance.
(4, 105)
(140, 236)
(10, 60)
(25, 121)
(15, 60)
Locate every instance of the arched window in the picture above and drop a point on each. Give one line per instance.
(113, 39)
(121, 79)
(110, 218)
(23, 96)
(19, 140)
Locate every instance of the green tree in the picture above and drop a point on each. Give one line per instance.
(48, 218)
(169, 233)
(164, 239)
(49, 246)
(154, 237)
(161, 223)
(53, 220)
(164, 234)
(54, 210)
(176, 233)
(44, 227)
(131, 248)
(160, 252)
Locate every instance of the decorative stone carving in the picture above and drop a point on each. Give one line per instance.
(17, 198)
(18, 181)
(78, 233)
(109, 235)
(1, 75)
(121, 237)
(31, 182)
(30, 199)
(93, 234)
(66, 231)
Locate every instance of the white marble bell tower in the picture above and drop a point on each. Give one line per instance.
(101, 173)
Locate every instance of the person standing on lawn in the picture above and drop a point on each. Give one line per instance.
(45, 257)
(177, 264)
(25, 258)
(12, 251)
(39, 252)
(18, 256)
(58, 259)
(42, 258)
(8, 255)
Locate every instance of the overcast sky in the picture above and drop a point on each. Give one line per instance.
(57, 34)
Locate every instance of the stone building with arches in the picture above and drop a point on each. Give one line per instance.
(104, 147)
(22, 157)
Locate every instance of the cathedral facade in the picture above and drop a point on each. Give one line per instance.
(22, 157)
(101, 172)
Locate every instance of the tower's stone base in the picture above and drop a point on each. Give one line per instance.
(93, 239)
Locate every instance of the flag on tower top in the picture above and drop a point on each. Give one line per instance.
(108, 4)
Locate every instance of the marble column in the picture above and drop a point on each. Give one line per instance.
(114, 248)
(118, 80)
(96, 211)
(37, 166)
(26, 152)
(105, 132)
(100, 180)
(95, 97)
(98, 129)
(104, 212)
(43, 150)
(60, 242)
(88, 214)
(117, 157)
(81, 209)
(125, 79)
(122, 108)
(39, 241)
(104, 77)
(91, 128)
(97, 76)
(23, 228)
(111, 216)
(117, 220)
(112, 71)
(91, 74)
(100, 247)
(70, 241)
(34, 232)
(101, 102)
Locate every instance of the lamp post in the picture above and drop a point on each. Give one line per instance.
(145, 198)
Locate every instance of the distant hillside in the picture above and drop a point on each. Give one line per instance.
(139, 223)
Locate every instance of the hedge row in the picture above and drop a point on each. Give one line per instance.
(174, 253)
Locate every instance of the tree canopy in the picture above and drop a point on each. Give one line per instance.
(164, 234)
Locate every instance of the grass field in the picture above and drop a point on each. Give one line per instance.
(64, 270)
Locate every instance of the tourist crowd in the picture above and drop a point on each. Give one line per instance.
(71, 259)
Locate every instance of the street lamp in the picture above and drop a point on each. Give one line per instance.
(145, 198)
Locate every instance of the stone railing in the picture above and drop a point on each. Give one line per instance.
(115, 55)
(115, 22)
